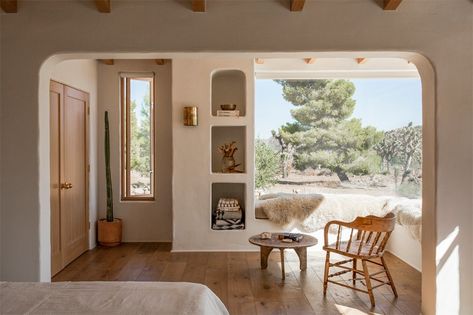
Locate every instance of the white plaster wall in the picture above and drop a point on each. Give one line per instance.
(143, 221)
(402, 245)
(335, 68)
(441, 30)
(82, 75)
(192, 152)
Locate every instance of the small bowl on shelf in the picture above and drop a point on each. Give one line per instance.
(228, 106)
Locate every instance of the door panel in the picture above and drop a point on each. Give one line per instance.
(69, 174)
(56, 96)
(74, 203)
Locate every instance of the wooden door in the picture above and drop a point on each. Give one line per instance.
(56, 96)
(69, 174)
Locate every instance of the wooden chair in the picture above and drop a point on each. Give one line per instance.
(368, 238)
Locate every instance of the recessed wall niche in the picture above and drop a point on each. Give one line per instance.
(229, 87)
(223, 135)
(236, 220)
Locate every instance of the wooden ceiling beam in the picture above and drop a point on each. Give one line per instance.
(297, 5)
(103, 6)
(108, 62)
(391, 4)
(309, 61)
(360, 61)
(9, 6)
(198, 5)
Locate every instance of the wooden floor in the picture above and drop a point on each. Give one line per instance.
(237, 279)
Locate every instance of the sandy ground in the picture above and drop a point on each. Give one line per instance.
(377, 185)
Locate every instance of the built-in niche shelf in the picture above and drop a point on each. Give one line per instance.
(228, 121)
(228, 221)
(222, 135)
(229, 87)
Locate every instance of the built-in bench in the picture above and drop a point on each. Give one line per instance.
(309, 213)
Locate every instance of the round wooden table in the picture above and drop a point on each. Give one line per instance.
(267, 245)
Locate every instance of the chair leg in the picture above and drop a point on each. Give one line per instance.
(368, 282)
(354, 272)
(391, 282)
(327, 267)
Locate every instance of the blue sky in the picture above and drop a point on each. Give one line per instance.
(383, 103)
(138, 91)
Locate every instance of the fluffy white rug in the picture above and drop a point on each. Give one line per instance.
(287, 209)
(310, 212)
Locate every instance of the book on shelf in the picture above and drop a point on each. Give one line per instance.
(228, 113)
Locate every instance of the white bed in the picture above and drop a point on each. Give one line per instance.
(108, 298)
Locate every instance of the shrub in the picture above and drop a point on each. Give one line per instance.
(366, 164)
(409, 189)
(267, 163)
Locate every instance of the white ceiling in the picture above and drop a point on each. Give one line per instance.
(297, 68)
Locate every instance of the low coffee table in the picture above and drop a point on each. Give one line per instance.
(267, 245)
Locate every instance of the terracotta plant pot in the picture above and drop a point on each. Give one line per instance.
(110, 233)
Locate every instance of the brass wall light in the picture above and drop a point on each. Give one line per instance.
(191, 116)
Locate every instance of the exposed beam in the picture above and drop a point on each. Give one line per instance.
(108, 62)
(297, 5)
(160, 62)
(103, 6)
(9, 6)
(259, 61)
(360, 61)
(391, 4)
(198, 5)
(309, 61)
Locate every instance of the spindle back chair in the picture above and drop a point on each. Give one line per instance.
(368, 238)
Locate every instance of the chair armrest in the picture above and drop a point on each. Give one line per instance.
(335, 222)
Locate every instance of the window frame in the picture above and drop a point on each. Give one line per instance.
(125, 132)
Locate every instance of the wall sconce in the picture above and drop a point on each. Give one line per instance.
(191, 116)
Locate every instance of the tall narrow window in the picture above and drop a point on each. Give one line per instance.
(137, 136)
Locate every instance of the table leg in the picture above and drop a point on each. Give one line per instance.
(264, 253)
(282, 264)
(302, 253)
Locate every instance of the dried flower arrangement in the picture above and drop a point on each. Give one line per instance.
(228, 161)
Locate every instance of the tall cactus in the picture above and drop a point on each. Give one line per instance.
(107, 171)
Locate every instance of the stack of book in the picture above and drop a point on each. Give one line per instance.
(228, 113)
(295, 237)
(229, 215)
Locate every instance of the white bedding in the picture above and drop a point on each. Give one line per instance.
(108, 298)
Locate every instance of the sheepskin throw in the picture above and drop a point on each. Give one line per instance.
(286, 209)
(310, 212)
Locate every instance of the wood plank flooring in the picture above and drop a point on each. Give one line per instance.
(242, 286)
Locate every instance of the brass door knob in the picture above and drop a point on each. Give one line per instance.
(66, 185)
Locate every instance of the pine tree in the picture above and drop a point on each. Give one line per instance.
(322, 134)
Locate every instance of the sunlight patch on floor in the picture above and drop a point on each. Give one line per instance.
(345, 310)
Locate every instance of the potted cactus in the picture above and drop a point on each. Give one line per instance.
(109, 229)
